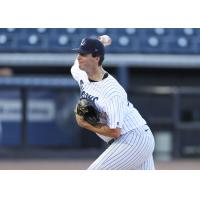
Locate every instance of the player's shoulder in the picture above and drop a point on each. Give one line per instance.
(112, 80)
(113, 88)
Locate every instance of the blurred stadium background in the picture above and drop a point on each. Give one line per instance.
(159, 67)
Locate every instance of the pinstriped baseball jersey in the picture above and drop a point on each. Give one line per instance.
(134, 148)
(111, 100)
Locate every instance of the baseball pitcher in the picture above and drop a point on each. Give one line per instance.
(104, 109)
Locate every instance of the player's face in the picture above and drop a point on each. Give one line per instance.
(87, 61)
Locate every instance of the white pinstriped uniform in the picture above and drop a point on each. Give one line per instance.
(134, 148)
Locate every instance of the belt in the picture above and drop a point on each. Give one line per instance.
(111, 141)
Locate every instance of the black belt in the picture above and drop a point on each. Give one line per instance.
(111, 141)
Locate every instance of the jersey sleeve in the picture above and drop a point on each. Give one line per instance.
(77, 73)
(115, 109)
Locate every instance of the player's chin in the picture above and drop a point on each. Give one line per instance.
(81, 66)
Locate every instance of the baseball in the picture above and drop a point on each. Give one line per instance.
(105, 39)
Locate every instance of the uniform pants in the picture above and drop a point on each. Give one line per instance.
(131, 151)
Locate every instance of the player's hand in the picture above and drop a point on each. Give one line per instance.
(105, 40)
(80, 121)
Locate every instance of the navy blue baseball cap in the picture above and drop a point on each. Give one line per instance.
(91, 45)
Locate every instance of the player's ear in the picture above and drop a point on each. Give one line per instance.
(97, 59)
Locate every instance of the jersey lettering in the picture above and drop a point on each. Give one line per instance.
(81, 85)
(88, 96)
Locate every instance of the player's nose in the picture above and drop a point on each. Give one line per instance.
(79, 57)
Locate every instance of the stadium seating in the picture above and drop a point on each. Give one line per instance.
(125, 40)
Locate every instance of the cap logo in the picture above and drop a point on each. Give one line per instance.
(83, 43)
(96, 50)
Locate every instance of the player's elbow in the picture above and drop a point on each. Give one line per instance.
(72, 70)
